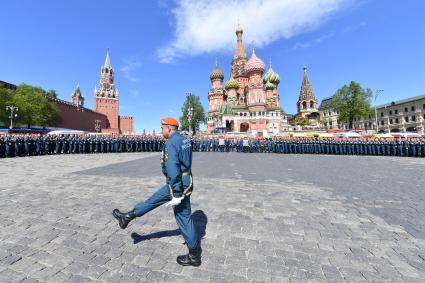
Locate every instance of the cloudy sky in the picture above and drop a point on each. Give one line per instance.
(161, 49)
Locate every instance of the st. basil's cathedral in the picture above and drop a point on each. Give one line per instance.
(249, 101)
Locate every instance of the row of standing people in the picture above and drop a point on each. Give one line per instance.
(31, 145)
(414, 147)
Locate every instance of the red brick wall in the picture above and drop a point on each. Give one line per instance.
(109, 107)
(82, 119)
(126, 125)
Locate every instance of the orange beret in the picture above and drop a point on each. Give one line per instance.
(169, 121)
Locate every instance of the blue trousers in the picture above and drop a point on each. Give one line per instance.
(182, 213)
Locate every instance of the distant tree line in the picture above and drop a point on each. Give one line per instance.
(33, 104)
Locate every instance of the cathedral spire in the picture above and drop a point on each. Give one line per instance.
(306, 81)
(240, 49)
(107, 64)
(306, 92)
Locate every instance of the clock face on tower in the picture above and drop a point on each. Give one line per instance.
(106, 86)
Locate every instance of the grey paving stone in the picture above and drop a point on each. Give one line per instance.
(325, 226)
(8, 275)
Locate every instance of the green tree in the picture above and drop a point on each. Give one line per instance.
(198, 112)
(301, 121)
(34, 107)
(6, 96)
(51, 93)
(352, 102)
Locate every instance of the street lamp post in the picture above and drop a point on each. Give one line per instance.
(190, 110)
(12, 109)
(377, 92)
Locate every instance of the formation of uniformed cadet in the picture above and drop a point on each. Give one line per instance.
(176, 163)
(17, 145)
(413, 147)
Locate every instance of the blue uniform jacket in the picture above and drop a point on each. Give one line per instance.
(176, 161)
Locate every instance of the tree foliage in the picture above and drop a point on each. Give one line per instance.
(198, 117)
(6, 96)
(352, 102)
(301, 121)
(34, 107)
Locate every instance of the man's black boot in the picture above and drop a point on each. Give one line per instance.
(193, 258)
(123, 218)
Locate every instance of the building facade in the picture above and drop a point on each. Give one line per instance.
(248, 101)
(328, 114)
(406, 115)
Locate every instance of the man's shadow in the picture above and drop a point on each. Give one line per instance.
(200, 221)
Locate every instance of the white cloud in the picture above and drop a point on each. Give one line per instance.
(130, 65)
(303, 45)
(205, 26)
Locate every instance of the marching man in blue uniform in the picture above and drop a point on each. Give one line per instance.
(176, 162)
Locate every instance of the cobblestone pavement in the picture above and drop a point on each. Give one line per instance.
(266, 218)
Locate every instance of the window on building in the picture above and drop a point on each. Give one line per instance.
(382, 114)
(413, 118)
(396, 120)
(413, 108)
(406, 109)
(304, 105)
(391, 112)
(391, 121)
(382, 122)
(406, 119)
(396, 111)
(311, 104)
(423, 106)
(330, 113)
(330, 123)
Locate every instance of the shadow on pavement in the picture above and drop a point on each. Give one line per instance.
(199, 218)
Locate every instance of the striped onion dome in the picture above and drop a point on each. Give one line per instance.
(269, 86)
(271, 76)
(231, 83)
(216, 74)
(254, 64)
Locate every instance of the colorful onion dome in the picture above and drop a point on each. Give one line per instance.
(271, 76)
(231, 83)
(269, 85)
(254, 64)
(216, 74)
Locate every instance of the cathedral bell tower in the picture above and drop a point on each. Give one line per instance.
(106, 97)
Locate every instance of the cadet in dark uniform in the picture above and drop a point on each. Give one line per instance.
(176, 162)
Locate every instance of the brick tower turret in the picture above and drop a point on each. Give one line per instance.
(106, 97)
